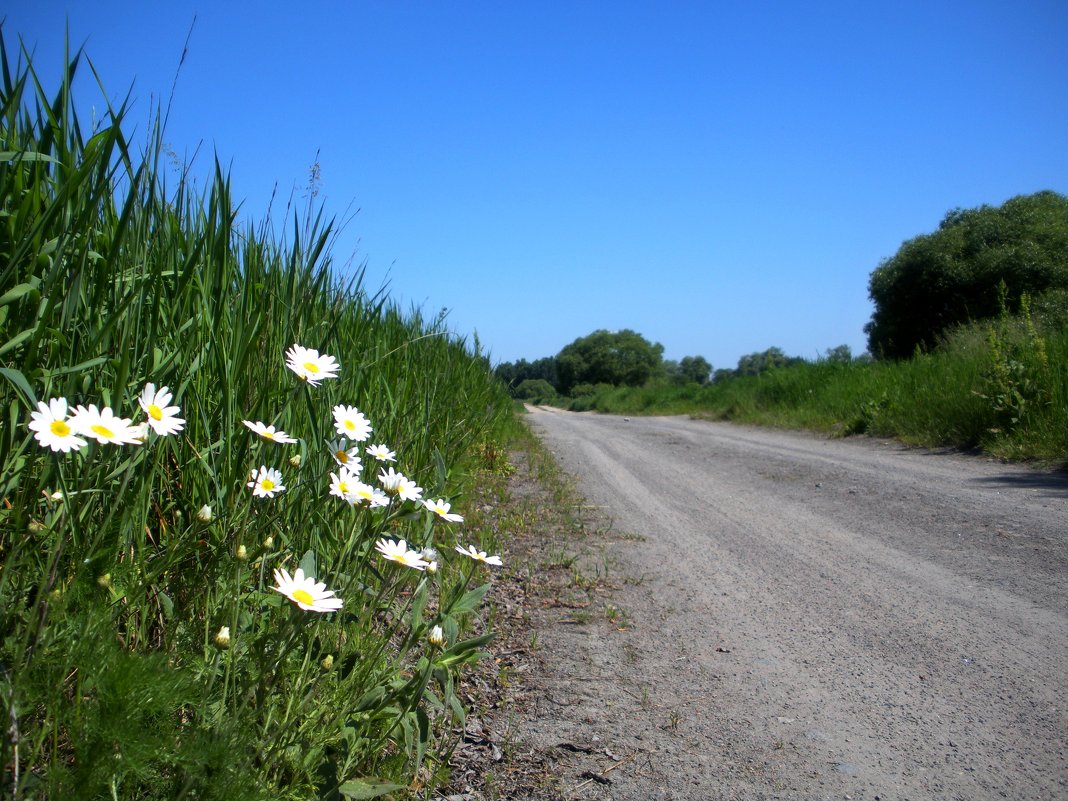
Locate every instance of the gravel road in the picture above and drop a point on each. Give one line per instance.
(806, 618)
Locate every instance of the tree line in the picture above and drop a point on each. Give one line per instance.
(975, 262)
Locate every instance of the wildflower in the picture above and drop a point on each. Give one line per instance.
(441, 509)
(139, 433)
(103, 426)
(204, 515)
(305, 592)
(400, 485)
(242, 553)
(295, 460)
(372, 496)
(432, 567)
(477, 555)
(266, 482)
(429, 553)
(162, 417)
(399, 552)
(343, 485)
(57, 496)
(381, 453)
(350, 422)
(268, 433)
(328, 662)
(268, 543)
(51, 428)
(348, 457)
(222, 639)
(310, 365)
(436, 636)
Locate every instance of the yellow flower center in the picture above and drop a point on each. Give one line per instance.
(303, 596)
(343, 487)
(60, 429)
(311, 367)
(350, 425)
(342, 457)
(267, 485)
(103, 431)
(155, 412)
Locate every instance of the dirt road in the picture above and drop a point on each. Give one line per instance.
(801, 618)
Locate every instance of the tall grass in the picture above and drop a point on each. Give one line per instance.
(143, 650)
(1000, 386)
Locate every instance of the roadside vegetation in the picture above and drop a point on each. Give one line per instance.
(969, 336)
(233, 560)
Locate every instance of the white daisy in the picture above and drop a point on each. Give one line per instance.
(343, 484)
(399, 552)
(436, 636)
(381, 453)
(478, 556)
(310, 365)
(346, 456)
(441, 509)
(398, 484)
(305, 592)
(372, 496)
(103, 426)
(266, 482)
(51, 428)
(350, 422)
(162, 417)
(269, 433)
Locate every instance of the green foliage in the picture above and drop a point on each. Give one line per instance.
(771, 359)
(535, 390)
(621, 358)
(515, 373)
(144, 652)
(937, 281)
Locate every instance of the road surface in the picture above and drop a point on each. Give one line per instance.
(809, 618)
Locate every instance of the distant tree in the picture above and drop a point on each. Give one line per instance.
(515, 373)
(757, 363)
(841, 354)
(695, 369)
(621, 358)
(723, 374)
(534, 389)
(939, 280)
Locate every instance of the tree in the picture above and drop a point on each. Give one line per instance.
(939, 280)
(621, 358)
(757, 363)
(695, 369)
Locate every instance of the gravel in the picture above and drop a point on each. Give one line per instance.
(792, 617)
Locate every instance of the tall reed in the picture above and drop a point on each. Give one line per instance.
(146, 647)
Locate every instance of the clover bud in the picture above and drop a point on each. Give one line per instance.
(204, 515)
(295, 460)
(242, 553)
(104, 580)
(268, 543)
(328, 662)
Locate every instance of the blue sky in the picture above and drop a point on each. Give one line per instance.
(721, 177)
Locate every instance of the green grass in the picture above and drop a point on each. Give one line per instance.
(945, 398)
(113, 594)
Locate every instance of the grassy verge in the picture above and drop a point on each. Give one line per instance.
(150, 644)
(999, 386)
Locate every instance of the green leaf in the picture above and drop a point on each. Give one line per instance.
(367, 788)
(17, 292)
(307, 563)
(21, 384)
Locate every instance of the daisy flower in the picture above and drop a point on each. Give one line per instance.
(162, 416)
(381, 453)
(400, 485)
(268, 433)
(103, 426)
(343, 485)
(436, 636)
(350, 422)
(478, 556)
(51, 428)
(372, 496)
(441, 509)
(310, 365)
(347, 457)
(399, 552)
(305, 592)
(266, 482)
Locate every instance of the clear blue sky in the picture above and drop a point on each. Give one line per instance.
(721, 177)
